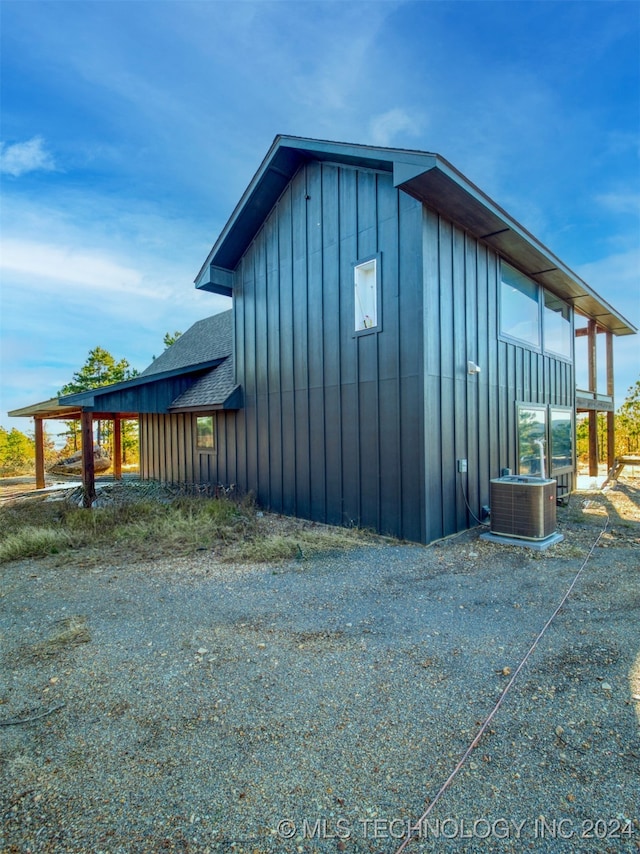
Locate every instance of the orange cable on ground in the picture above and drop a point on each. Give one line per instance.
(411, 833)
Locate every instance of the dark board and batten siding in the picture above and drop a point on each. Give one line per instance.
(466, 416)
(332, 423)
(168, 451)
(364, 429)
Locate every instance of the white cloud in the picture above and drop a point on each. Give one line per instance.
(622, 202)
(384, 128)
(23, 157)
(92, 270)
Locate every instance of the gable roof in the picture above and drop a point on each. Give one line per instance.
(202, 356)
(206, 341)
(427, 177)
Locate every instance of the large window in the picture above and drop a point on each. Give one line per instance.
(553, 425)
(205, 428)
(521, 317)
(366, 295)
(557, 325)
(519, 307)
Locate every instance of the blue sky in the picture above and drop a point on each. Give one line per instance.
(130, 130)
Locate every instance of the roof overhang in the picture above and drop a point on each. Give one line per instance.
(233, 401)
(90, 398)
(444, 189)
(428, 178)
(47, 409)
(51, 409)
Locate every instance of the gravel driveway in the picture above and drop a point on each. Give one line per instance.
(319, 706)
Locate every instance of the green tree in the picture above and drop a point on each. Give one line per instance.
(170, 339)
(17, 451)
(99, 370)
(628, 422)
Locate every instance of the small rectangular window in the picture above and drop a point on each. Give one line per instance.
(366, 295)
(557, 326)
(532, 426)
(519, 306)
(206, 436)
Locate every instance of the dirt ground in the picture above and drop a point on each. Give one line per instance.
(320, 705)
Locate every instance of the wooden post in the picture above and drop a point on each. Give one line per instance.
(593, 443)
(611, 420)
(88, 469)
(591, 356)
(39, 438)
(592, 332)
(117, 447)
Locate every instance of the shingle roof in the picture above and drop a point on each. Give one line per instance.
(206, 340)
(212, 389)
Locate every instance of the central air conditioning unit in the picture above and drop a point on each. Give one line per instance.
(523, 507)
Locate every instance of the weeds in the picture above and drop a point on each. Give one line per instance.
(31, 541)
(148, 527)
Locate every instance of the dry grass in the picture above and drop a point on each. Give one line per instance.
(149, 527)
(32, 541)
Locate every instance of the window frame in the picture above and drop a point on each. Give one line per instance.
(506, 336)
(538, 407)
(549, 350)
(206, 449)
(572, 434)
(376, 258)
(551, 471)
(541, 294)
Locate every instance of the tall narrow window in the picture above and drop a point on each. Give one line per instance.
(532, 427)
(557, 326)
(366, 295)
(205, 433)
(561, 429)
(519, 306)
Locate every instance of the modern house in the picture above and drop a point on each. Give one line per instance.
(395, 341)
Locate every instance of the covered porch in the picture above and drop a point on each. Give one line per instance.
(595, 388)
(55, 411)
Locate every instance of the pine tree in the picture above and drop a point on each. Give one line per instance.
(99, 370)
(170, 339)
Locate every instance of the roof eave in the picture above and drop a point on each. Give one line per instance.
(279, 166)
(233, 401)
(428, 178)
(87, 398)
(444, 189)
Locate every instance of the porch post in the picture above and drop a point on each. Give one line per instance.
(593, 443)
(39, 439)
(88, 469)
(592, 332)
(117, 447)
(611, 419)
